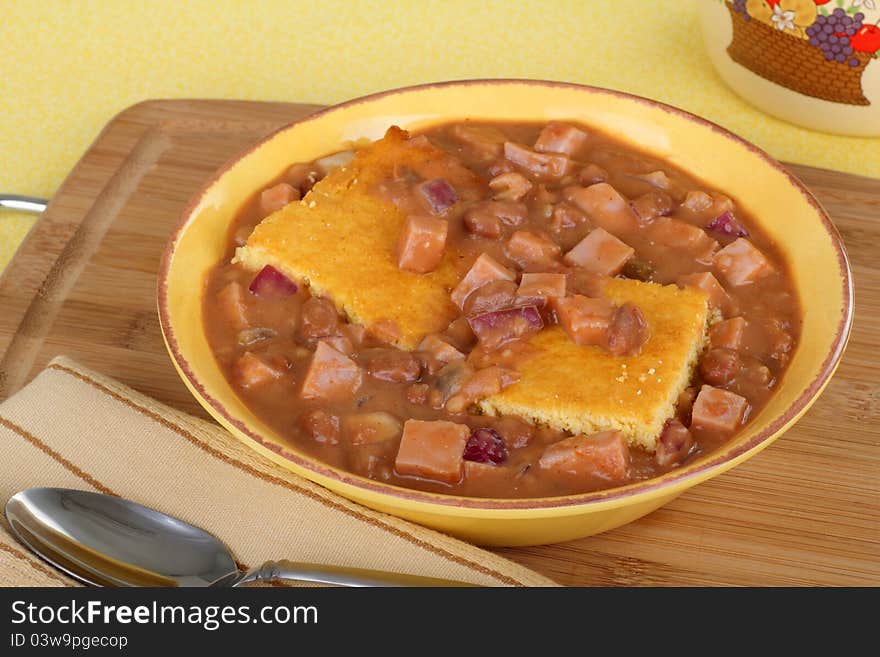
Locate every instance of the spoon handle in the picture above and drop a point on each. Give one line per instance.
(272, 571)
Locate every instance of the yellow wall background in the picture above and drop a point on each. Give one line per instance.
(69, 66)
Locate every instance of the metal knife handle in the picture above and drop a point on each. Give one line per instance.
(273, 571)
(23, 203)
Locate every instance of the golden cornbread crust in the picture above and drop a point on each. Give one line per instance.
(341, 239)
(586, 389)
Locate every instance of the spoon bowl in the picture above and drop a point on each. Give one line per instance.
(109, 541)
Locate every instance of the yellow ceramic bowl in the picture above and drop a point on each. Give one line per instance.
(790, 215)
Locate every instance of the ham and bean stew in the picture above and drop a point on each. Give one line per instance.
(551, 212)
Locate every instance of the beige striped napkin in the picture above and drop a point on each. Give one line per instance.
(74, 428)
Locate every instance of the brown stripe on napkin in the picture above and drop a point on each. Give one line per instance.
(74, 428)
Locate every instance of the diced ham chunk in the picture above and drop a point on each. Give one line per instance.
(718, 297)
(481, 384)
(355, 333)
(678, 234)
(673, 445)
(585, 320)
(251, 370)
(716, 409)
(728, 334)
(740, 262)
(541, 165)
(600, 252)
(486, 473)
(602, 455)
(422, 244)
(484, 269)
(558, 137)
(439, 349)
(331, 375)
(275, 198)
(388, 364)
(541, 286)
(527, 248)
(231, 302)
(371, 428)
(657, 179)
(432, 450)
(510, 186)
(341, 344)
(605, 206)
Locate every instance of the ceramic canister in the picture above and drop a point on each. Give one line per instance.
(815, 63)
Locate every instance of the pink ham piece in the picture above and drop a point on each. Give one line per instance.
(438, 194)
(542, 165)
(741, 263)
(586, 320)
(605, 206)
(541, 286)
(275, 198)
(558, 137)
(422, 244)
(530, 249)
(432, 450)
(270, 281)
(484, 270)
(678, 234)
(251, 370)
(728, 334)
(719, 410)
(600, 252)
(706, 282)
(331, 375)
(602, 455)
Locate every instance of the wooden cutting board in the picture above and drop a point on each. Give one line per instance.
(806, 511)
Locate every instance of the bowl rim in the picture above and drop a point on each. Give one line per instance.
(675, 479)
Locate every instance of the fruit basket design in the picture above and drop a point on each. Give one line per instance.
(804, 47)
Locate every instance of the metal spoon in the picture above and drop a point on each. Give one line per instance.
(23, 203)
(108, 541)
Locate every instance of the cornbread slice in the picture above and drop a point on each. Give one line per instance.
(586, 389)
(341, 238)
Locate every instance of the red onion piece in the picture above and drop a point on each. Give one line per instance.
(439, 194)
(725, 224)
(272, 281)
(498, 326)
(485, 445)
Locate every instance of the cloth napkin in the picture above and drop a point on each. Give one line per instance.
(74, 428)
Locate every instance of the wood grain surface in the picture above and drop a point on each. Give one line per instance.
(806, 511)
